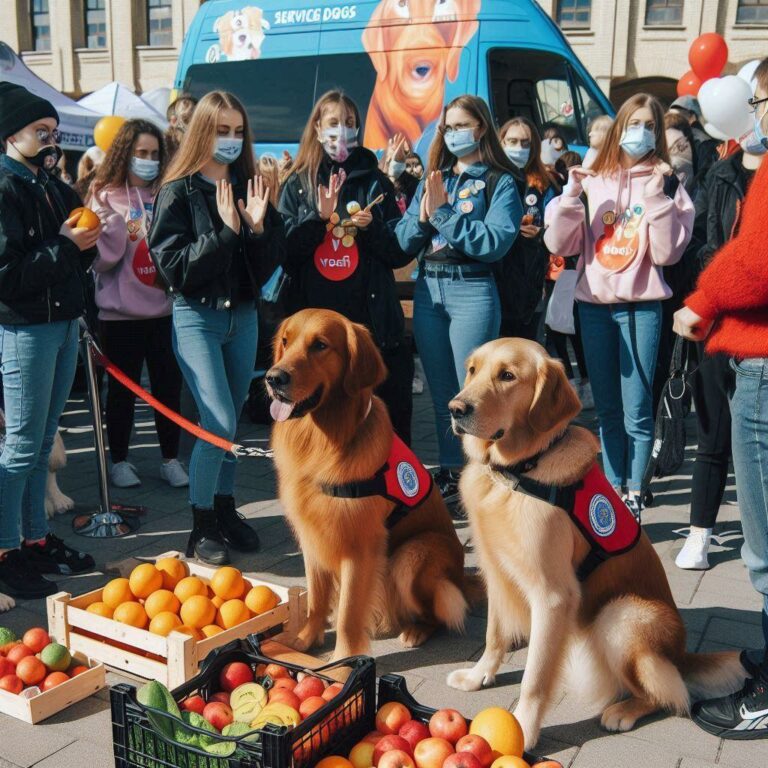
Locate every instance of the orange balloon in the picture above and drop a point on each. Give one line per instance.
(689, 84)
(105, 130)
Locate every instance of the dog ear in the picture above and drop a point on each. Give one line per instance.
(223, 22)
(554, 399)
(277, 342)
(366, 369)
(373, 42)
(463, 32)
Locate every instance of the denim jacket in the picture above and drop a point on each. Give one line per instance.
(464, 224)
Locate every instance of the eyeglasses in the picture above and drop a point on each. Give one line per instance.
(44, 136)
(755, 103)
(448, 129)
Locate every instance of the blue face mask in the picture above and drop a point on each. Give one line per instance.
(227, 150)
(518, 155)
(462, 142)
(759, 133)
(637, 141)
(145, 169)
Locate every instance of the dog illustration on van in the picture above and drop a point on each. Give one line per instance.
(241, 35)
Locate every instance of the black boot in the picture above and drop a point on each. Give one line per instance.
(232, 526)
(206, 542)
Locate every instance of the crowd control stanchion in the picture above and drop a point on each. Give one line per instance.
(111, 520)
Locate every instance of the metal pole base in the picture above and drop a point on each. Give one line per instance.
(119, 521)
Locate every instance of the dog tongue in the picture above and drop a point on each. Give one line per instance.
(280, 411)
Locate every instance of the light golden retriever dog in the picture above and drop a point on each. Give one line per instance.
(414, 46)
(331, 430)
(619, 628)
(241, 33)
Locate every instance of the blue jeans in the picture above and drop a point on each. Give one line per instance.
(216, 350)
(38, 366)
(749, 442)
(454, 312)
(621, 342)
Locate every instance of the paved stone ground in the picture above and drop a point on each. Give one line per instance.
(719, 607)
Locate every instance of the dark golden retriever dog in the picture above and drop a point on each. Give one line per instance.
(620, 628)
(331, 430)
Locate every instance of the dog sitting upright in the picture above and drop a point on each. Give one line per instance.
(566, 564)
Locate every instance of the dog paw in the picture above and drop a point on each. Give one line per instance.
(6, 603)
(308, 638)
(413, 637)
(619, 718)
(467, 680)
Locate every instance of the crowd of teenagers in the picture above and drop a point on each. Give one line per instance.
(657, 225)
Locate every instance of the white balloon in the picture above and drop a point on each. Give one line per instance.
(747, 73)
(714, 133)
(724, 104)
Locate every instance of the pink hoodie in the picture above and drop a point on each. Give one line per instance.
(125, 274)
(632, 234)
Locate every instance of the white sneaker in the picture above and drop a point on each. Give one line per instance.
(174, 474)
(585, 395)
(693, 555)
(417, 385)
(123, 475)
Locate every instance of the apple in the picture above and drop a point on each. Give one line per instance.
(220, 696)
(387, 744)
(6, 667)
(477, 746)
(462, 760)
(432, 752)
(234, 674)
(392, 717)
(332, 691)
(448, 724)
(309, 686)
(310, 705)
(194, 704)
(396, 758)
(284, 683)
(11, 683)
(361, 755)
(373, 737)
(218, 715)
(413, 732)
(285, 697)
(276, 671)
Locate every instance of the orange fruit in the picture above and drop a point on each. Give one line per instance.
(501, 730)
(227, 582)
(173, 571)
(131, 613)
(509, 761)
(36, 639)
(144, 580)
(19, 652)
(191, 631)
(54, 679)
(218, 601)
(190, 586)
(162, 601)
(78, 670)
(117, 591)
(85, 218)
(163, 623)
(198, 611)
(232, 613)
(261, 599)
(100, 609)
(334, 761)
(212, 629)
(31, 671)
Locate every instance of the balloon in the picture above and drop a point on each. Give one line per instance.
(714, 133)
(105, 130)
(689, 84)
(747, 73)
(708, 55)
(723, 102)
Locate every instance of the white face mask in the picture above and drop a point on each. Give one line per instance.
(338, 142)
(227, 150)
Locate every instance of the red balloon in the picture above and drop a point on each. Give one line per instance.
(708, 55)
(688, 84)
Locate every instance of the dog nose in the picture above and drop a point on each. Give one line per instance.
(459, 409)
(277, 377)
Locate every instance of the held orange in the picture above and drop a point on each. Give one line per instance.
(164, 623)
(190, 586)
(144, 580)
(162, 601)
(261, 599)
(85, 218)
(198, 612)
(100, 609)
(116, 592)
(131, 613)
(227, 582)
(173, 571)
(232, 613)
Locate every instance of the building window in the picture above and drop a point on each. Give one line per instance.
(574, 14)
(159, 22)
(95, 24)
(664, 13)
(41, 25)
(752, 12)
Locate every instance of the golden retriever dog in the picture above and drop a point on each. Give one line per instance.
(330, 430)
(241, 33)
(414, 46)
(619, 628)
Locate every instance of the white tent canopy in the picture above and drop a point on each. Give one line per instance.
(158, 99)
(118, 99)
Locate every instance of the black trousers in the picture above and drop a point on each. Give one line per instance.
(396, 391)
(128, 344)
(560, 340)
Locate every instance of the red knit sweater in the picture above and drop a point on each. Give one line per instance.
(733, 289)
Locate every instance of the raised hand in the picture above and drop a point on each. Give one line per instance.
(328, 197)
(655, 185)
(576, 176)
(437, 195)
(226, 205)
(254, 209)
(362, 219)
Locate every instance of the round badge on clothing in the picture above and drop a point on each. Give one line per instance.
(609, 217)
(407, 479)
(464, 194)
(467, 206)
(335, 260)
(602, 516)
(530, 199)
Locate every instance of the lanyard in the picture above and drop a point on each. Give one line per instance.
(144, 215)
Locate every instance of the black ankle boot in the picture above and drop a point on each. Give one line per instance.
(232, 526)
(206, 542)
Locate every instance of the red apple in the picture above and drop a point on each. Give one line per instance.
(284, 683)
(396, 758)
(477, 746)
(462, 760)
(6, 667)
(387, 744)
(448, 724)
(432, 752)
(413, 732)
(11, 683)
(276, 671)
(392, 717)
(310, 705)
(220, 696)
(285, 697)
(309, 686)
(373, 737)
(234, 674)
(361, 755)
(218, 715)
(195, 704)
(332, 691)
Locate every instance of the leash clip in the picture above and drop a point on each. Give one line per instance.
(243, 451)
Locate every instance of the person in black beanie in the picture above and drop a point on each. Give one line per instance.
(44, 256)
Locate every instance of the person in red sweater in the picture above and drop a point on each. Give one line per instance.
(729, 308)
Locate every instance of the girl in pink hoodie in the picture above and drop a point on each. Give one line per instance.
(626, 219)
(134, 310)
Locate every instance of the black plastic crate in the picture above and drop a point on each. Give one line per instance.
(395, 688)
(333, 729)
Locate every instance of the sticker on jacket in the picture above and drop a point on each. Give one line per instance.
(334, 259)
(143, 267)
(620, 241)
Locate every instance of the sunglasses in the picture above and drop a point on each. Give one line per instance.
(44, 136)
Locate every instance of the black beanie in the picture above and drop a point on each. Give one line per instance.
(20, 107)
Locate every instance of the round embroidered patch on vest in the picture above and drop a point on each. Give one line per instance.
(407, 479)
(602, 516)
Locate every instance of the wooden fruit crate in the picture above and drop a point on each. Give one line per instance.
(37, 708)
(174, 659)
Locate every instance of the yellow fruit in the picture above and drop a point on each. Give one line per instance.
(131, 613)
(163, 623)
(162, 601)
(190, 586)
(218, 601)
(232, 613)
(500, 729)
(100, 609)
(173, 571)
(191, 631)
(117, 591)
(145, 579)
(261, 599)
(227, 582)
(509, 761)
(198, 611)
(211, 630)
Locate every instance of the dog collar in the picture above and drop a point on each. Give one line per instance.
(526, 465)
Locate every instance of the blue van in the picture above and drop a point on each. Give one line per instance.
(400, 60)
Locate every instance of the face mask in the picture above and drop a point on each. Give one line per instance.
(518, 155)
(227, 150)
(759, 133)
(752, 144)
(338, 142)
(461, 143)
(396, 169)
(145, 169)
(46, 158)
(637, 141)
(549, 153)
